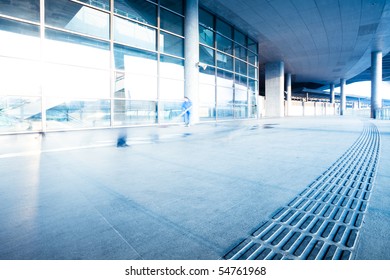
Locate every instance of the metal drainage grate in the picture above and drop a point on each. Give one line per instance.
(323, 221)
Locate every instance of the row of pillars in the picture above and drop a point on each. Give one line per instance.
(275, 87)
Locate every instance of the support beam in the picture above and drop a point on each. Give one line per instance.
(332, 100)
(376, 83)
(191, 47)
(274, 89)
(343, 97)
(288, 90)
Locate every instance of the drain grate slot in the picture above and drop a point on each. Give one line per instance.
(323, 220)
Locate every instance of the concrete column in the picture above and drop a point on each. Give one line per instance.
(376, 83)
(332, 94)
(274, 89)
(191, 53)
(343, 98)
(288, 90)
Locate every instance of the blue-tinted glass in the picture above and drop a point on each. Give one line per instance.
(252, 71)
(76, 17)
(252, 58)
(171, 44)
(224, 78)
(21, 9)
(140, 59)
(240, 80)
(102, 4)
(240, 52)
(206, 19)
(252, 45)
(174, 5)
(134, 34)
(252, 85)
(224, 61)
(206, 36)
(172, 22)
(139, 10)
(224, 28)
(224, 44)
(240, 38)
(206, 55)
(241, 67)
(18, 27)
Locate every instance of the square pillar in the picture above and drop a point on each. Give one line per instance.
(274, 89)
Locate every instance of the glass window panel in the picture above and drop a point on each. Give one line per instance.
(225, 103)
(225, 61)
(252, 71)
(207, 76)
(240, 38)
(171, 67)
(206, 36)
(76, 17)
(102, 4)
(19, 77)
(252, 85)
(241, 97)
(206, 95)
(224, 28)
(224, 78)
(20, 113)
(206, 55)
(240, 67)
(170, 111)
(240, 81)
(252, 45)
(19, 39)
(240, 52)
(73, 49)
(171, 89)
(139, 10)
(206, 19)
(75, 82)
(224, 44)
(174, 5)
(140, 87)
(252, 58)
(171, 44)
(128, 112)
(76, 113)
(134, 34)
(172, 22)
(135, 61)
(23, 9)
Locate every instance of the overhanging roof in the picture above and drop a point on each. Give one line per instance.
(320, 41)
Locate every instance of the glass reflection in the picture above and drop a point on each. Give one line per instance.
(102, 4)
(174, 5)
(207, 102)
(171, 111)
(206, 36)
(172, 22)
(134, 34)
(23, 9)
(135, 61)
(224, 102)
(224, 44)
(139, 10)
(128, 112)
(20, 113)
(171, 44)
(76, 113)
(76, 17)
(206, 55)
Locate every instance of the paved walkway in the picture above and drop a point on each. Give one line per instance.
(269, 188)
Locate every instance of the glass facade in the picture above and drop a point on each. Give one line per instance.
(228, 87)
(107, 63)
